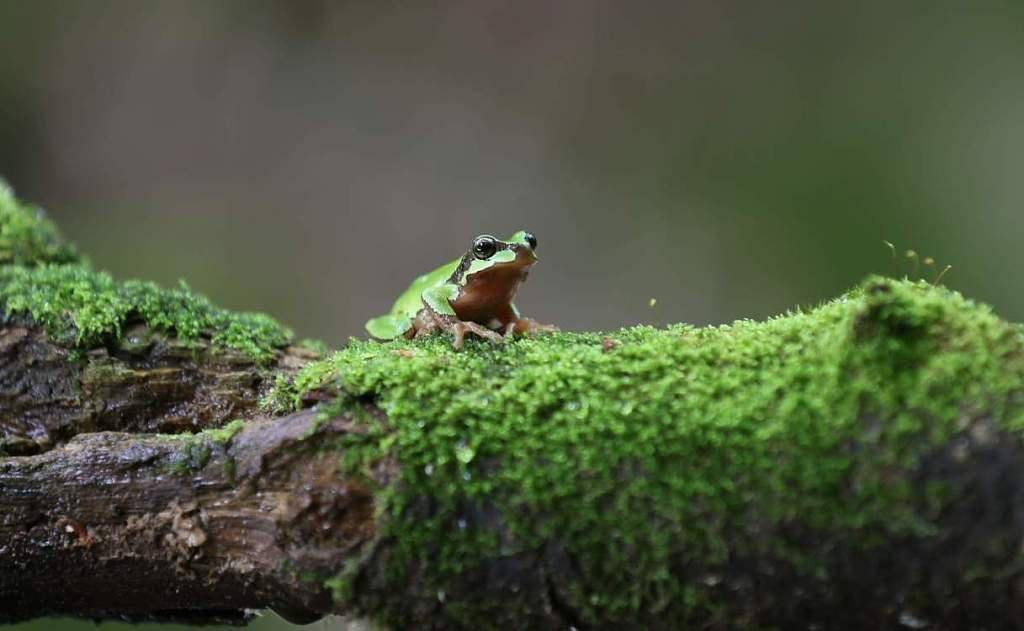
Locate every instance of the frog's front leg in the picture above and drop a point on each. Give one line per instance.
(428, 322)
(437, 315)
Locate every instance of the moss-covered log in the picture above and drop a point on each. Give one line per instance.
(858, 465)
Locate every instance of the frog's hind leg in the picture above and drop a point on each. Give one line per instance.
(515, 324)
(529, 326)
(526, 327)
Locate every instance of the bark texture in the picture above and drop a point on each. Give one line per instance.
(143, 382)
(121, 512)
(120, 525)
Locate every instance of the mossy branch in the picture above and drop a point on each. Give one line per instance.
(855, 465)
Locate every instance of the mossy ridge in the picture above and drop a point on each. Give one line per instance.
(42, 275)
(27, 237)
(703, 429)
(83, 308)
(197, 449)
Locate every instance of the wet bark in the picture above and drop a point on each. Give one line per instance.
(146, 382)
(154, 527)
(112, 508)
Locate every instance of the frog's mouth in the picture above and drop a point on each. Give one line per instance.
(525, 258)
(524, 255)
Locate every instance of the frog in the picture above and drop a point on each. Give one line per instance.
(471, 295)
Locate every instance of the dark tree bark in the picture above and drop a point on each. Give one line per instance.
(115, 509)
(144, 382)
(113, 524)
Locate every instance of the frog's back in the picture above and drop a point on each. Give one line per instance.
(410, 302)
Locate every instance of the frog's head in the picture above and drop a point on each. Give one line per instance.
(494, 258)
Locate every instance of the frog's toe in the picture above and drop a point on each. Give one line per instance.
(458, 336)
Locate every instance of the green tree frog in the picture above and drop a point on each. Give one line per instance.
(472, 294)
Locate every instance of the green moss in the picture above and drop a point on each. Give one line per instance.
(42, 276)
(643, 456)
(197, 449)
(27, 237)
(288, 392)
(318, 347)
(223, 436)
(84, 308)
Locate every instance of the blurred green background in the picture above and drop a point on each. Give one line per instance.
(731, 159)
(266, 622)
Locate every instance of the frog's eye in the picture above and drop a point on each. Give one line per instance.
(531, 240)
(484, 247)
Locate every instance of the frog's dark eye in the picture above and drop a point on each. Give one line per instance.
(484, 247)
(530, 239)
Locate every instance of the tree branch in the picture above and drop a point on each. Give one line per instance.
(857, 466)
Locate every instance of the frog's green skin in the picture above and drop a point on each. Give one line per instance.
(472, 294)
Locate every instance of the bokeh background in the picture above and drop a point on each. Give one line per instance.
(729, 158)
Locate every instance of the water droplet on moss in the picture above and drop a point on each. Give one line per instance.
(464, 453)
(911, 621)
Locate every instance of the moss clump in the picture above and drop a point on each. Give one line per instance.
(42, 276)
(27, 237)
(197, 449)
(659, 452)
(316, 347)
(83, 308)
